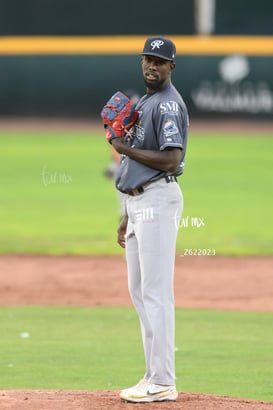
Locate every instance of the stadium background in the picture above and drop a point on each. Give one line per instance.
(65, 58)
(61, 60)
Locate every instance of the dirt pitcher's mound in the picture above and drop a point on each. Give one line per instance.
(109, 400)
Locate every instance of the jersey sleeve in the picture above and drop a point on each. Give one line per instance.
(169, 125)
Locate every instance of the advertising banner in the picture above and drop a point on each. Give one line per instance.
(230, 85)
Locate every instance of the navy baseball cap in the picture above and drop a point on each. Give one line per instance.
(159, 47)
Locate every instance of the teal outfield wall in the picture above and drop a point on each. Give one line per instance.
(79, 85)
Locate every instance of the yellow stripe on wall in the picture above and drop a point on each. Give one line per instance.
(186, 45)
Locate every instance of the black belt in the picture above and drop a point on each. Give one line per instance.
(140, 189)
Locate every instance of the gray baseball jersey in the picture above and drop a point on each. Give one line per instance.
(163, 122)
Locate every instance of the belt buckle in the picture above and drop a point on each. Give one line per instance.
(170, 178)
(136, 191)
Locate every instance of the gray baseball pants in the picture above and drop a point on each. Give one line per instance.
(153, 222)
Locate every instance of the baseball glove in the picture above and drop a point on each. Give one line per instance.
(118, 115)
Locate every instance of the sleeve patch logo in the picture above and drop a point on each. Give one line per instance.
(170, 128)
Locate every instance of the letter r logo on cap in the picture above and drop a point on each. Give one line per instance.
(157, 44)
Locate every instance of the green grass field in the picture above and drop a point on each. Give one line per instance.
(55, 198)
(217, 352)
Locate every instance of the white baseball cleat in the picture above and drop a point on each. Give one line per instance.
(149, 392)
(142, 382)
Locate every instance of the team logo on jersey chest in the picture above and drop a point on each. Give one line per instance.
(139, 132)
(170, 107)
